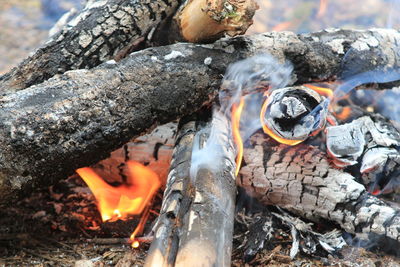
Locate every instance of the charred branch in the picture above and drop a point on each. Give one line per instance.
(301, 180)
(76, 119)
(198, 207)
(97, 34)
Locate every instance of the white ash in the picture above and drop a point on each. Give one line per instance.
(174, 54)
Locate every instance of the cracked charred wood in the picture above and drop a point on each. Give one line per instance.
(371, 141)
(154, 150)
(77, 118)
(316, 56)
(293, 114)
(301, 180)
(101, 31)
(208, 20)
(198, 205)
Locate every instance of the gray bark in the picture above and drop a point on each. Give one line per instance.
(301, 180)
(98, 33)
(195, 225)
(76, 119)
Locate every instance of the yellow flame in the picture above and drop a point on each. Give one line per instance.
(117, 202)
(269, 132)
(327, 92)
(236, 114)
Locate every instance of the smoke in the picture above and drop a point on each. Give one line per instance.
(394, 14)
(249, 75)
(247, 79)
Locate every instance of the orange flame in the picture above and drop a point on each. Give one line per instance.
(272, 134)
(282, 26)
(323, 4)
(118, 202)
(327, 92)
(345, 113)
(236, 113)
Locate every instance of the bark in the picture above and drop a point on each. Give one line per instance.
(76, 119)
(301, 180)
(207, 20)
(197, 211)
(98, 33)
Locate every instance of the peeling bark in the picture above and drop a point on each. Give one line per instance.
(97, 34)
(76, 119)
(301, 180)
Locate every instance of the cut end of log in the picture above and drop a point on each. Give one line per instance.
(207, 20)
(293, 113)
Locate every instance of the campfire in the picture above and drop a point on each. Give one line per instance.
(226, 149)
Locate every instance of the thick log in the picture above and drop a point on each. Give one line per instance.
(195, 225)
(97, 34)
(76, 119)
(301, 180)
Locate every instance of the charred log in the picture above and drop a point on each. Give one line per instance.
(75, 119)
(198, 207)
(371, 142)
(294, 113)
(301, 180)
(97, 34)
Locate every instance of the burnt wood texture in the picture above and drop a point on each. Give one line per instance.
(301, 180)
(97, 34)
(77, 118)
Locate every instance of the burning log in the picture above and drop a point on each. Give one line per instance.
(301, 180)
(290, 115)
(98, 33)
(198, 205)
(76, 119)
(371, 141)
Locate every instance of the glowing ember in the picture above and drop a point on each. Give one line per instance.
(236, 113)
(131, 198)
(344, 114)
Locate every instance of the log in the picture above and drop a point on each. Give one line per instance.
(371, 141)
(76, 119)
(198, 205)
(292, 114)
(97, 34)
(301, 180)
(200, 21)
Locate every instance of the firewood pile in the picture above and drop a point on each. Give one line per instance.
(257, 140)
